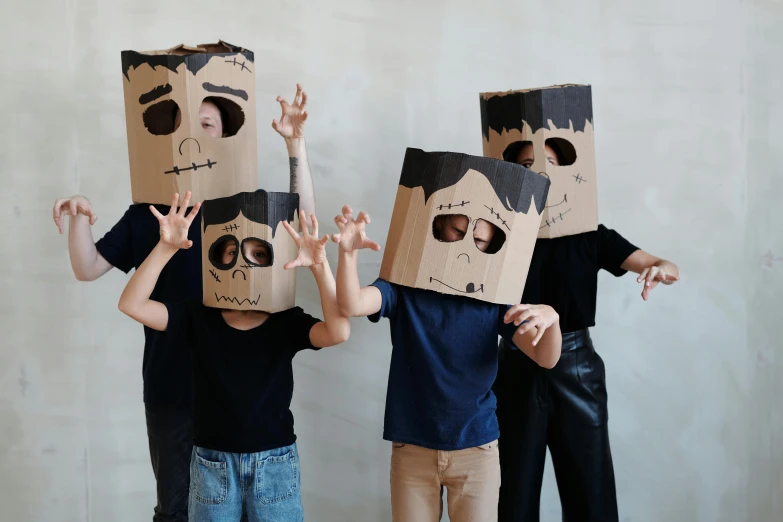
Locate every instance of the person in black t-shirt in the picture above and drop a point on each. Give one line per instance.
(564, 408)
(242, 361)
(166, 369)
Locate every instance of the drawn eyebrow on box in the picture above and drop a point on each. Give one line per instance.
(154, 94)
(224, 89)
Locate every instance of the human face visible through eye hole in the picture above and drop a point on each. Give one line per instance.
(526, 156)
(453, 227)
(255, 251)
(209, 119)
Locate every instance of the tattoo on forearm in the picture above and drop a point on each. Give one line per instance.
(293, 164)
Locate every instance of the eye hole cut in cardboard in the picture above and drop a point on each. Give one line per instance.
(191, 119)
(464, 225)
(531, 126)
(487, 237)
(242, 235)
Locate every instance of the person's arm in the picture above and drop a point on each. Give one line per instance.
(538, 334)
(652, 270)
(291, 128)
(353, 300)
(135, 299)
(86, 262)
(335, 328)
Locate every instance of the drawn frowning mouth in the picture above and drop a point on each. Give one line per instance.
(470, 288)
(176, 170)
(565, 200)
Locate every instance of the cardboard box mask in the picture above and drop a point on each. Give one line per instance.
(560, 117)
(244, 248)
(169, 150)
(464, 225)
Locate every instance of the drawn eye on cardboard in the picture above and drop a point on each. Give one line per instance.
(190, 115)
(464, 225)
(550, 131)
(244, 249)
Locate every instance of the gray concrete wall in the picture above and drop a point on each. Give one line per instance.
(688, 124)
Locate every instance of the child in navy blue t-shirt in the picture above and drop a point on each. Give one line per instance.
(440, 409)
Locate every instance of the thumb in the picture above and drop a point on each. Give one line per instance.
(292, 264)
(335, 238)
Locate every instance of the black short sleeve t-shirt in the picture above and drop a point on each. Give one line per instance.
(243, 379)
(166, 369)
(564, 273)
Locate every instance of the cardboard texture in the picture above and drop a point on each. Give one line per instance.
(434, 184)
(560, 116)
(172, 153)
(247, 219)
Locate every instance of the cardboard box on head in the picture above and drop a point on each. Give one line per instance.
(244, 248)
(173, 101)
(464, 225)
(535, 122)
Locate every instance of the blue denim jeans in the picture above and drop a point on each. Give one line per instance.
(266, 485)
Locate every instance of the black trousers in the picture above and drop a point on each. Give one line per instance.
(565, 409)
(170, 435)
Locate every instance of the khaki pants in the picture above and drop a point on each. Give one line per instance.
(471, 476)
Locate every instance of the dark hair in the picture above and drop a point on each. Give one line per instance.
(193, 60)
(514, 185)
(266, 208)
(563, 104)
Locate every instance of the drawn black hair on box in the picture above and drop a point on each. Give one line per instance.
(193, 58)
(563, 105)
(265, 208)
(514, 185)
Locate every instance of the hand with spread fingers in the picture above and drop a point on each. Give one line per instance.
(663, 272)
(538, 316)
(312, 251)
(293, 117)
(351, 235)
(174, 226)
(73, 207)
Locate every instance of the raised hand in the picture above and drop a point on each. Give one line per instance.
(653, 275)
(312, 251)
(351, 235)
(174, 226)
(540, 316)
(71, 207)
(292, 120)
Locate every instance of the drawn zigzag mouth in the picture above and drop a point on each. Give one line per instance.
(176, 170)
(237, 301)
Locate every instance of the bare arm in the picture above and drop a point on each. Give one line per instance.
(87, 264)
(652, 270)
(301, 178)
(353, 300)
(335, 328)
(291, 128)
(135, 301)
(539, 337)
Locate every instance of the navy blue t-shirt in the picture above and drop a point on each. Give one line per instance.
(444, 361)
(166, 368)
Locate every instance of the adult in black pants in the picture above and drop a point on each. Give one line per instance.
(564, 408)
